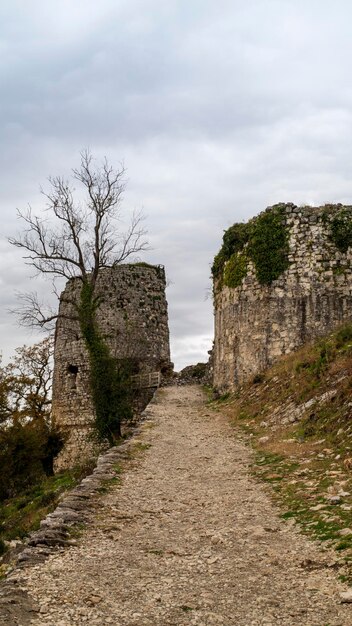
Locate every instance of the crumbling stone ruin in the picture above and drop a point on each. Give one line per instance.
(194, 374)
(133, 318)
(279, 281)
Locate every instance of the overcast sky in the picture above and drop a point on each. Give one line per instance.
(217, 108)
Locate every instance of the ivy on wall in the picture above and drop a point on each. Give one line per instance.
(268, 245)
(235, 269)
(110, 379)
(340, 228)
(234, 240)
(263, 240)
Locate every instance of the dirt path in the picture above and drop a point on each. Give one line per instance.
(189, 538)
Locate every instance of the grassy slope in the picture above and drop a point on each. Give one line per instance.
(22, 514)
(298, 417)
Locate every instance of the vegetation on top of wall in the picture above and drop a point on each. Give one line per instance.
(143, 264)
(340, 228)
(159, 269)
(268, 245)
(234, 240)
(235, 269)
(263, 240)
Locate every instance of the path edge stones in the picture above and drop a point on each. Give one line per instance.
(57, 529)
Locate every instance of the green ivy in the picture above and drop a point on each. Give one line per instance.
(234, 240)
(263, 240)
(341, 229)
(218, 264)
(109, 378)
(235, 269)
(268, 246)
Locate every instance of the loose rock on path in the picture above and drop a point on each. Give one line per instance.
(189, 538)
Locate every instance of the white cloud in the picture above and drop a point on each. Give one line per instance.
(217, 109)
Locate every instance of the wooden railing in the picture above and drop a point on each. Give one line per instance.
(144, 381)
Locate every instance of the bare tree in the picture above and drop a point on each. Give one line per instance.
(75, 239)
(78, 240)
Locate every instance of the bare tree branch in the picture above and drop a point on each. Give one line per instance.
(34, 313)
(74, 241)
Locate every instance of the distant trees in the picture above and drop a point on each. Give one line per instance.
(28, 443)
(25, 384)
(77, 238)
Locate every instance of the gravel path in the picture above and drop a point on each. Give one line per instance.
(189, 538)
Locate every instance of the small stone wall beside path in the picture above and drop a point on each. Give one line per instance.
(188, 538)
(58, 529)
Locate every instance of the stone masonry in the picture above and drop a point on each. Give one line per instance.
(134, 321)
(255, 324)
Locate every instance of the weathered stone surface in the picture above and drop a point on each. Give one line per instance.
(256, 324)
(346, 596)
(134, 321)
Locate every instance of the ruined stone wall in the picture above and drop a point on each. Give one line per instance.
(255, 324)
(134, 321)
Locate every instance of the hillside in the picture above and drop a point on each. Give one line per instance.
(298, 417)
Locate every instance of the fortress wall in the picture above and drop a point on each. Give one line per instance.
(256, 324)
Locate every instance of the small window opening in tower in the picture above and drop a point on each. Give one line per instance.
(72, 371)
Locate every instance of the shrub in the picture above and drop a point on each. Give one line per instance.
(325, 356)
(234, 240)
(235, 270)
(341, 229)
(25, 455)
(263, 240)
(268, 246)
(344, 336)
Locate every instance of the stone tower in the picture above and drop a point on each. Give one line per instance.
(257, 323)
(133, 319)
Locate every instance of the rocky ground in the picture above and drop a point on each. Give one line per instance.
(188, 537)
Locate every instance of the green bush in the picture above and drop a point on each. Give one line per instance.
(268, 247)
(263, 240)
(235, 269)
(325, 356)
(218, 264)
(341, 229)
(344, 336)
(234, 240)
(24, 456)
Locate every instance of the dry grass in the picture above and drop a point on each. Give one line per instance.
(308, 459)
